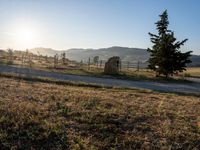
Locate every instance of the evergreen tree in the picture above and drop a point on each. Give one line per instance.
(165, 57)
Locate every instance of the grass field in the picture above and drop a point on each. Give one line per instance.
(36, 115)
(193, 72)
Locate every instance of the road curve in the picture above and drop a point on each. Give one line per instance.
(187, 88)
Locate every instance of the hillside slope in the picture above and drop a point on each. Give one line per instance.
(125, 53)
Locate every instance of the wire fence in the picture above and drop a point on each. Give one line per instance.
(26, 59)
(129, 65)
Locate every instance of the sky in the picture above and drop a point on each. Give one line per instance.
(64, 24)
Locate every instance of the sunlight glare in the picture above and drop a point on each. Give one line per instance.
(25, 37)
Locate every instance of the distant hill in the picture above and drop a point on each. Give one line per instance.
(44, 51)
(195, 61)
(125, 53)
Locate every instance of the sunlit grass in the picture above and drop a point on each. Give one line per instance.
(50, 116)
(192, 72)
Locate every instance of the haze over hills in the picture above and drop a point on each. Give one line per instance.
(125, 53)
(78, 54)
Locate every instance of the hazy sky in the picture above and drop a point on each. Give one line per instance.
(63, 24)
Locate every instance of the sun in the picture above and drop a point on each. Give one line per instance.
(25, 34)
(25, 37)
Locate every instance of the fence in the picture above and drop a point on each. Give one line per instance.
(128, 65)
(26, 59)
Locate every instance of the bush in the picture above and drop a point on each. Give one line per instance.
(187, 75)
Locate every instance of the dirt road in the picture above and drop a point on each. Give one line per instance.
(187, 87)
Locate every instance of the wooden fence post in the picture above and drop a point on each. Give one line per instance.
(89, 63)
(22, 59)
(138, 66)
(128, 65)
(81, 63)
(97, 64)
(100, 63)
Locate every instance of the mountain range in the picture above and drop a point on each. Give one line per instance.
(125, 53)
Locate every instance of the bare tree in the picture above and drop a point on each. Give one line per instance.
(63, 56)
(55, 60)
(96, 59)
(10, 56)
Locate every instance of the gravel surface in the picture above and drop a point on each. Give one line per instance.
(188, 88)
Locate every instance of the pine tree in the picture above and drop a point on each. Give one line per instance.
(165, 57)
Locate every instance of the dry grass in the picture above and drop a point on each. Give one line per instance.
(192, 72)
(35, 115)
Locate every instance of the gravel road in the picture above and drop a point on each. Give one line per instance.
(188, 88)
